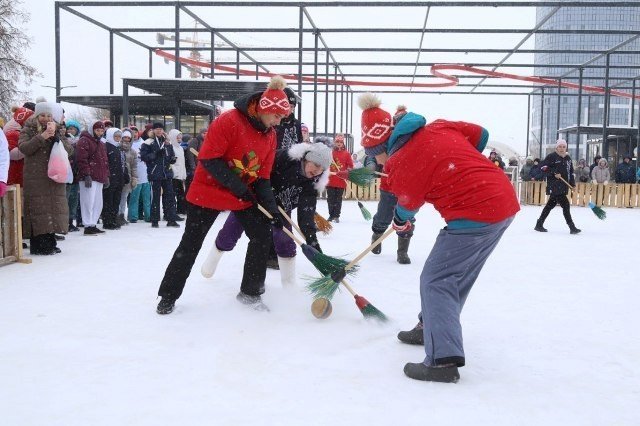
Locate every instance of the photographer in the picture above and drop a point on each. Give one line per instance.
(45, 203)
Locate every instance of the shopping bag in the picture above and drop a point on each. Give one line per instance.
(59, 166)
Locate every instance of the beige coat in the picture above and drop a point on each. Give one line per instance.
(45, 202)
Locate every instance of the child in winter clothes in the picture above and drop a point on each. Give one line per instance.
(12, 132)
(557, 167)
(234, 166)
(118, 178)
(601, 174)
(4, 163)
(335, 189)
(93, 174)
(131, 162)
(442, 164)
(179, 170)
(582, 171)
(298, 175)
(141, 194)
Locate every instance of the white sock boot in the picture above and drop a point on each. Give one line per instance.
(211, 262)
(287, 271)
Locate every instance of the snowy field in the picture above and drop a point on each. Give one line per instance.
(551, 334)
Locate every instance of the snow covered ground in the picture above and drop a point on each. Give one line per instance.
(550, 329)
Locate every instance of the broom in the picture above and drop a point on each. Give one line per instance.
(365, 307)
(322, 224)
(365, 213)
(323, 263)
(327, 285)
(360, 177)
(601, 214)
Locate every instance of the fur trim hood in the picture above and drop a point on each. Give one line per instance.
(298, 152)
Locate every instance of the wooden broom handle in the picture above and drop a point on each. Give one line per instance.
(286, 231)
(568, 184)
(194, 151)
(368, 249)
(286, 216)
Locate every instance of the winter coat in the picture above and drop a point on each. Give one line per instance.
(131, 161)
(536, 173)
(190, 157)
(4, 158)
(288, 132)
(248, 147)
(178, 168)
(16, 163)
(601, 173)
(442, 164)
(141, 166)
(552, 164)
(91, 158)
(45, 202)
(158, 157)
(292, 189)
(582, 173)
(625, 173)
(341, 161)
(526, 169)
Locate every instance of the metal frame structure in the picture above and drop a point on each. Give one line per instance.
(333, 77)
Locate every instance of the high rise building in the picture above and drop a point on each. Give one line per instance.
(592, 105)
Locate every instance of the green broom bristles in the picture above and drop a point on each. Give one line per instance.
(362, 176)
(365, 213)
(368, 310)
(602, 215)
(324, 287)
(328, 264)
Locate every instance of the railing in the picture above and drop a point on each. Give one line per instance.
(611, 195)
(11, 227)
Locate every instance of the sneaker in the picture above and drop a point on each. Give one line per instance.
(254, 302)
(90, 230)
(173, 224)
(539, 227)
(442, 374)
(165, 306)
(574, 230)
(154, 224)
(98, 231)
(273, 264)
(56, 250)
(72, 227)
(414, 336)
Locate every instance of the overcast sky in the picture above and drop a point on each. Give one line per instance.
(85, 51)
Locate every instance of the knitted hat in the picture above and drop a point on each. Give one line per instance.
(108, 123)
(339, 138)
(401, 111)
(291, 96)
(126, 134)
(158, 125)
(20, 114)
(73, 123)
(274, 99)
(561, 142)
(319, 154)
(304, 128)
(44, 108)
(375, 123)
(29, 105)
(98, 125)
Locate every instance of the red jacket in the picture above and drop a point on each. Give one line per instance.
(441, 165)
(247, 151)
(16, 167)
(343, 160)
(91, 158)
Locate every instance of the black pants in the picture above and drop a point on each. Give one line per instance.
(164, 187)
(110, 205)
(198, 223)
(334, 201)
(178, 189)
(553, 201)
(42, 244)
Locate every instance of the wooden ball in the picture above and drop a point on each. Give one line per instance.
(321, 308)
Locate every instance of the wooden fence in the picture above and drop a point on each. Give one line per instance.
(611, 195)
(11, 227)
(353, 192)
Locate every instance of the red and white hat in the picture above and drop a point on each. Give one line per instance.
(20, 114)
(274, 100)
(375, 124)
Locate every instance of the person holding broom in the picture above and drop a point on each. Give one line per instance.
(558, 169)
(233, 171)
(442, 164)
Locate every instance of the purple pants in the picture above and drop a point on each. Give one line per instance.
(232, 231)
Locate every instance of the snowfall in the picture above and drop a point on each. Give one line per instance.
(550, 327)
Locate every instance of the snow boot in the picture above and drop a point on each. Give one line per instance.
(165, 306)
(377, 249)
(573, 229)
(415, 336)
(403, 250)
(539, 226)
(121, 221)
(72, 228)
(420, 371)
(254, 302)
(210, 264)
(287, 271)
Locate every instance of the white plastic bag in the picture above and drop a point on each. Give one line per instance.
(59, 169)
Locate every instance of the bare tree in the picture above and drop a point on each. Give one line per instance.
(14, 67)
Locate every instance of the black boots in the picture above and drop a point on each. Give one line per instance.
(573, 229)
(403, 249)
(377, 249)
(165, 306)
(539, 226)
(254, 302)
(414, 336)
(420, 371)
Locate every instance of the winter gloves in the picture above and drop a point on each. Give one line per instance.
(400, 226)
(403, 219)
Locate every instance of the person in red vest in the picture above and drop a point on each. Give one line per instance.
(441, 163)
(233, 172)
(335, 189)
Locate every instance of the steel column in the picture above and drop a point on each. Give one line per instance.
(559, 99)
(111, 62)
(300, 45)
(57, 47)
(528, 124)
(579, 119)
(178, 66)
(605, 117)
(315, 84)
(541, 122)
(125, 101)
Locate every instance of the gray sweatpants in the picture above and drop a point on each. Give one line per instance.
(449, 272)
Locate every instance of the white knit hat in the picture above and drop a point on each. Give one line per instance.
(319, 154)
(52, 108)
(561, 142)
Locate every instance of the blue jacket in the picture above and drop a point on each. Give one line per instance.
(158, 157)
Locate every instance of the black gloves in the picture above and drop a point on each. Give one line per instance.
(87, 181)
(276, 220)
(247, 195)
(315, 244)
